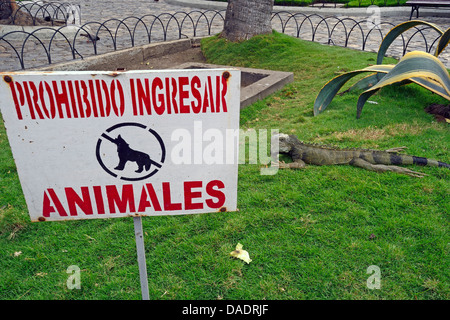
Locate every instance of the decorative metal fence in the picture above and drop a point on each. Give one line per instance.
(23, 49)
(55, 13)
(362, 34)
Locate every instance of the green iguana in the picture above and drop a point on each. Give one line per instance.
(374, 160)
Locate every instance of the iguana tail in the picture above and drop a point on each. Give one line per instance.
(388, 158)
(429, 162)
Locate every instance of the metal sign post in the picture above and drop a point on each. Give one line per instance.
(141, 256)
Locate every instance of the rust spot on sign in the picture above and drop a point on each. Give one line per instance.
(41, 219)
(223, 209)
(135, 215)
(7, 79)
(226, 75)
(118, 70)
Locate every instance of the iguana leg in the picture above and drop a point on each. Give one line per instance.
(382, 168)
(298, 164)
(396, 150)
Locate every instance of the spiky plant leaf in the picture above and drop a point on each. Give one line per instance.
(331, 88)
(397, 31)
(432, 85)
(419, 67)
(366, 82)
(443, 42)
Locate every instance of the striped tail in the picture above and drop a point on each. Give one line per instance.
(420, 161)
(387, 158)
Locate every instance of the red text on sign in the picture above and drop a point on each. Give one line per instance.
(130, 199)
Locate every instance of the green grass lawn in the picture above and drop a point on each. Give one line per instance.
(311, 233)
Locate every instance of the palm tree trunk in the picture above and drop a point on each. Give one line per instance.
(7, 8)
(247, 18)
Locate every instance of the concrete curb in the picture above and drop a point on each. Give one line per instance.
(401, 11)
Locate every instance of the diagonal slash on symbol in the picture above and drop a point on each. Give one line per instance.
(126, 153)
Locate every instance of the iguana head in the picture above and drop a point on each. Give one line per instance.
(284, 142)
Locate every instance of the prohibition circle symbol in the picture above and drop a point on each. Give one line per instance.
(130, 151)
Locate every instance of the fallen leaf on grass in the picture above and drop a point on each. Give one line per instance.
(241, 254)
(89, 237)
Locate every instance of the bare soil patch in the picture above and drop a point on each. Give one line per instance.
(441, 112)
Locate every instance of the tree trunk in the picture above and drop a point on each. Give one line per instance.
(247, 18)
(7, 7)
(10, 13)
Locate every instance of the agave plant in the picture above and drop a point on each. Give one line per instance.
(417, 67)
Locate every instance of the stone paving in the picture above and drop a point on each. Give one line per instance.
(122, 24)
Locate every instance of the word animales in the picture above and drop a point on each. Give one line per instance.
(145, 199)
(374, 160)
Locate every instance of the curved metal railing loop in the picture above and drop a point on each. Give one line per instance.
(171, 17)
(66, 41)
(140, 21)
(377, 27)
(324, 20)
(32, 34)
(358, 24)
(4, 38)
(278, 15)
(187, 17)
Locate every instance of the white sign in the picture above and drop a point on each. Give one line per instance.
(139, 143)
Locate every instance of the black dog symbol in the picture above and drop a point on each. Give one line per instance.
(126, 154)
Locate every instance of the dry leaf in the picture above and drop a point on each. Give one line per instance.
(89, 237)
(18, 253)
(241, 254)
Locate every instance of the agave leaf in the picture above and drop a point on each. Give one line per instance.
(443, 42)
(432, 85)
(398, 30)
(419, 67)
(331, 88)
(366, 82)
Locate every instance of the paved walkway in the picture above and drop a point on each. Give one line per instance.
(149, 20)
